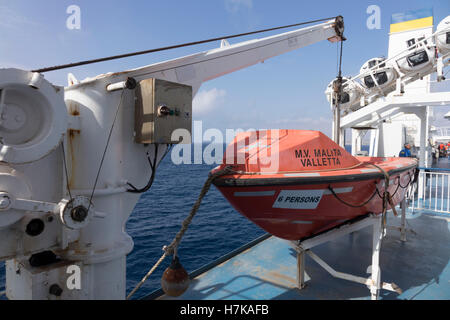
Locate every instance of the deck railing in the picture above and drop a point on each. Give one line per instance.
(442, 132)
(432, 191)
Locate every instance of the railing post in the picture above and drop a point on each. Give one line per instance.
(376, 247)
(403, 225)
(420, 183)
(300, 269)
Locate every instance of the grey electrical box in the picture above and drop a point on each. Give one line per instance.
(162, 107)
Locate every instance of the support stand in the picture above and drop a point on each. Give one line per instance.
(374, 282)
(402, 227)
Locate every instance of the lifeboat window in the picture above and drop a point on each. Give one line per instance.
(417, 58)
(373, 63)
(448, 38)
(381, 78)
(345, 97)
(410, 42)
(422, 38)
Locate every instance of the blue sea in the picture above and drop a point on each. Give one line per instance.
(216, 229)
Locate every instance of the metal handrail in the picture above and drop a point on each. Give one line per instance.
(434, 169)
(433, 191)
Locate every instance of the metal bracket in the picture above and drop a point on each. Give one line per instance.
(374, 282)
(73, 214)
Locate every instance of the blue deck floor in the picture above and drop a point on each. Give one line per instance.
(267, 270)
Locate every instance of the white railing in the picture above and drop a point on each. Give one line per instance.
(432, 191)
(442, 132)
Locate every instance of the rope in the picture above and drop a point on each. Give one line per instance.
(176, 241)
(387, 197)
(340, 58)
(147, 275)
(65, 170)
(80, 63)
(349, 204)
(106, 148)
(171, 249)
(407, 185)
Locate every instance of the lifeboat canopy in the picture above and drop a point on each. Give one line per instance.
(350, 97)
(443, 38)
(275, 151)
(376, 69)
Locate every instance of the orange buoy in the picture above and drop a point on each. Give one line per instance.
(175, 279)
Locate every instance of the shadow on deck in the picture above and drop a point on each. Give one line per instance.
(267, 270)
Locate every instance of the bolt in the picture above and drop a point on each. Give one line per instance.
(35, 227)
(5, 202)
(79, 213)
(164, 111)
(130, 83)
(55, 290)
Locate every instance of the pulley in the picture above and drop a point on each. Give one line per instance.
(175, 279)
(33, 116)
(77, 212)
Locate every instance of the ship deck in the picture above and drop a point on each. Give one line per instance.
(265, 269)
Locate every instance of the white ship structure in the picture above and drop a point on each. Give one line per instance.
(74, 160)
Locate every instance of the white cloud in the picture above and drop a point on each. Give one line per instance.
(207, 100)
(236, 5)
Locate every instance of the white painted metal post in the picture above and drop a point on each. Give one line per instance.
(403, 225)
(337, 124)
(300, 269)
(423, 115)
(374, 138)
(354, 142)
(376, 247)
(420, 184)
(374, 282)
(342, 138)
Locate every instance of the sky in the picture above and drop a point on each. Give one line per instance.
(286, 91)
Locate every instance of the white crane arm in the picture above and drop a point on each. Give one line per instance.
(197, 68)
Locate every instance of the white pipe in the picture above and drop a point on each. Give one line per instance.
(2, 103)
(116, 86)
(35, 80)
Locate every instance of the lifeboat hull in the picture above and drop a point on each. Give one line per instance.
(295, 205)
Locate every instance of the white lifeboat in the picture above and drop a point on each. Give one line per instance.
(443, 38)
(350, 97)
(421, 56)
(381, 73)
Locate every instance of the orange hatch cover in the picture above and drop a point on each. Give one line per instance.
(286, 150)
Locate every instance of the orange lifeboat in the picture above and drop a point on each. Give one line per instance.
(297, 183)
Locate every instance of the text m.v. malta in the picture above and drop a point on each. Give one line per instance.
(318, 157)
